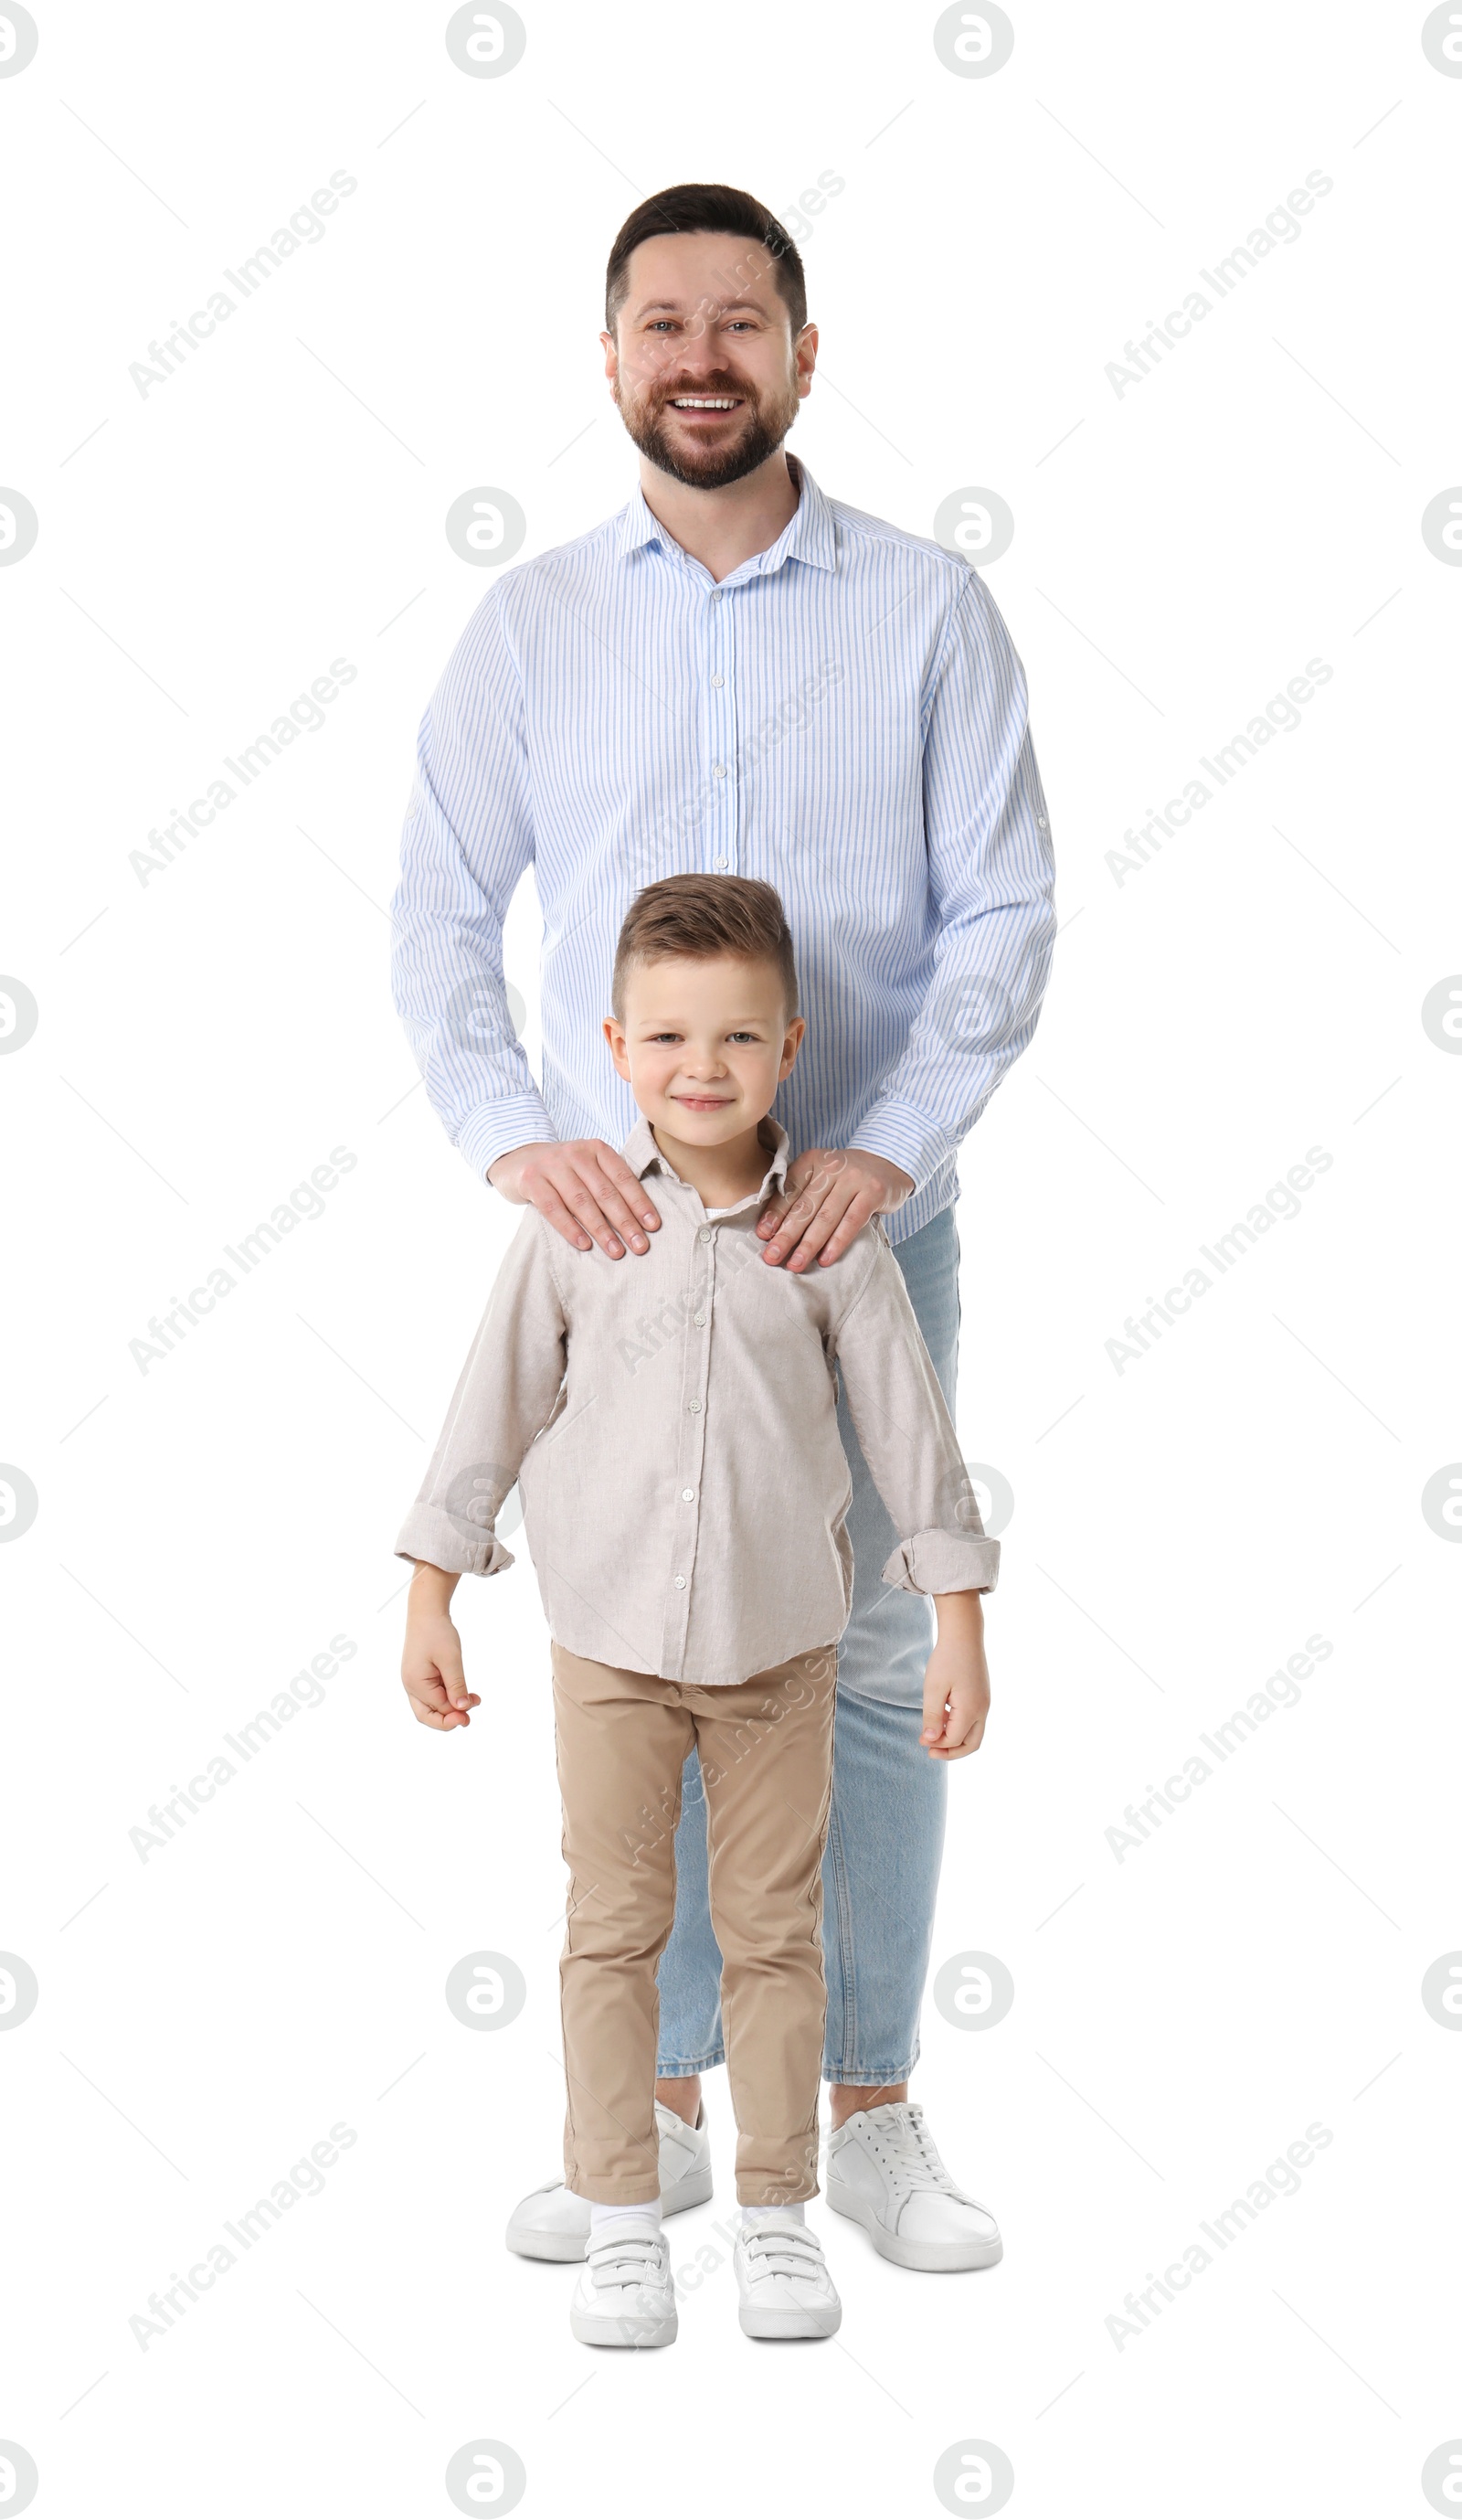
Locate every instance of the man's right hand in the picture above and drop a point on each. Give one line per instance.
(584, 1189)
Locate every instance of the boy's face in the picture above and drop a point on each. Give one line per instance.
(704, 1046)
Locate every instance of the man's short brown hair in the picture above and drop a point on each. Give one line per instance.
(710, 209)
(699, 918)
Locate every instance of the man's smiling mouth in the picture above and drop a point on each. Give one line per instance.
(706, 402)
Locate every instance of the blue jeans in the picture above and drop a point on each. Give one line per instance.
(880, 1871)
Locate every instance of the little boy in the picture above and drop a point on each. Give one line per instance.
(671, 1424)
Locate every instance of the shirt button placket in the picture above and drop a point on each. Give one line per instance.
(696, 1386)
(723, 724)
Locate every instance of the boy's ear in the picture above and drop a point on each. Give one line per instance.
(614, 1036)
(796, 1033)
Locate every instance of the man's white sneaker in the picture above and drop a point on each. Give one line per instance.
(884, 2171)
(625, 2295)
(783, 2282)
(552, 2223)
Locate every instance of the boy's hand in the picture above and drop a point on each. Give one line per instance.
(957, 1681)
(431, 1669)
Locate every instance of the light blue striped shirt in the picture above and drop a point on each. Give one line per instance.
(844, 715)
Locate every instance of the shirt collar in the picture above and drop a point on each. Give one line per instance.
(809, 533)
(642, 1155)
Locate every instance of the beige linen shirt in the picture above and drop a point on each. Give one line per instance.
(671, 1422)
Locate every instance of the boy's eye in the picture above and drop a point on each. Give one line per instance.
(742, 1036)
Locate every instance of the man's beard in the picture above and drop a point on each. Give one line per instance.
(759, 436)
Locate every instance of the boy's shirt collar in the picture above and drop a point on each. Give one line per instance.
(642, 1155)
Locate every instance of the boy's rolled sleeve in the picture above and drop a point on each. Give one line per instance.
(505, 1395)
(908, 1440)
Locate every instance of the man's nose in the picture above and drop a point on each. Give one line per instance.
(696, 350)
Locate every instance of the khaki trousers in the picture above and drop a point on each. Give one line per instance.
(766, 1757)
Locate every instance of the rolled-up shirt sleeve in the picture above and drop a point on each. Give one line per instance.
(990, 882)
(506, 1394)
(466, 841)
(908, 1440)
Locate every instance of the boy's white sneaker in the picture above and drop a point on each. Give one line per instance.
(552, 2223)
(884, 2171)
(625, 2295)
(782, 2278)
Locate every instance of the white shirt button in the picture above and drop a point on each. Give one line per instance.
(723, 861)
(717, 681)
(704, 1235)
(687, 1495)
(718, 770)
(694, 1407)
(1041, 822)
(700, 1320)
(715, 595)
(680, 1583)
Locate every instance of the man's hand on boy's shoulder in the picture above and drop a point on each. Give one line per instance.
(584, 1189)
(829, 1194)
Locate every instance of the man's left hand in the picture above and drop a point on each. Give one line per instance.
(829, 1194)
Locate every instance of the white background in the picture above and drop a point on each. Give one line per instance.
(1180, 1527)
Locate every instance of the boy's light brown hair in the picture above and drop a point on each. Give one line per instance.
(699, 918)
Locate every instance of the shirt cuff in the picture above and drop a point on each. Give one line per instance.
(944, 1562)
(429, 1532)
(494, 1129)
(904, 1136)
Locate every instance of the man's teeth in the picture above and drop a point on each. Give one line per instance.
(705, 402)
